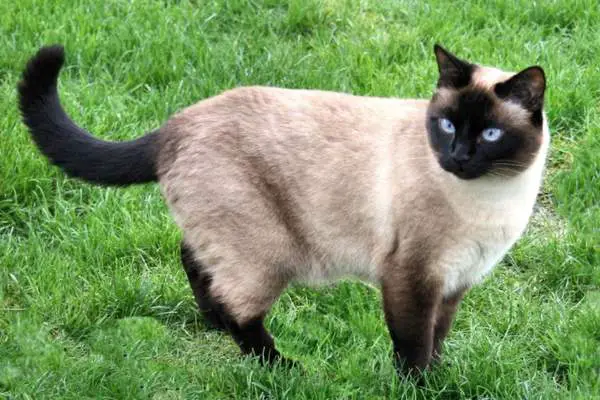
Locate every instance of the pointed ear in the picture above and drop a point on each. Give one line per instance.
(526, 88)
(454, 72)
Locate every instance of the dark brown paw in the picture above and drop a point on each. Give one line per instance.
(287, 363)
(273, 358)
(410, 372)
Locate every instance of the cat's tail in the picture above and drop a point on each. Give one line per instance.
(67, 145)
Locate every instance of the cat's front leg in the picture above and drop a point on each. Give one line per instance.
(445, 316)
(410, 299)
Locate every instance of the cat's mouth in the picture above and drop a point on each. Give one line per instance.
(462, 170)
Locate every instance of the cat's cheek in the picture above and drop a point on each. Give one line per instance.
(440, 145)
(447, 164)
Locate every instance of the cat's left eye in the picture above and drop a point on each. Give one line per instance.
(446, 126)
(492, 134)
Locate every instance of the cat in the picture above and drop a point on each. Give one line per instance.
(272, 186)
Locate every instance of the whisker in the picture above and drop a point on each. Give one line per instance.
(509, 166)
(499, 175)
(509, 162)
(500, 170)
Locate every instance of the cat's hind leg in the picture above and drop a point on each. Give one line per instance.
(200, 282)
(235, 298)
(244, 297)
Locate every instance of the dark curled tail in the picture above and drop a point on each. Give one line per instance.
(67, 145)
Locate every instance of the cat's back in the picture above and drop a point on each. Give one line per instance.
(264, 104)
(287, 124)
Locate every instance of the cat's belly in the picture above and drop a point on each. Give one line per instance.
(344, 257)
(465, 260)
(318, 271)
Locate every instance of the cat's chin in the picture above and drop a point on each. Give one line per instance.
(462, 173)
(467, 175)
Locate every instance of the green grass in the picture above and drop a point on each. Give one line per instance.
(93, 300)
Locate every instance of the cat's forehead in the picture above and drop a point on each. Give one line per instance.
(483, 79)
(479, 97)
(486, 77)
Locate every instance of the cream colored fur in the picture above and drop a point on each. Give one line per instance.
(273, 185)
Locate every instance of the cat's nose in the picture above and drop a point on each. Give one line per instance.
(460, 153)
(461, 158)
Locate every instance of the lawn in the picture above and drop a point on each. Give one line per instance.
(93, 299)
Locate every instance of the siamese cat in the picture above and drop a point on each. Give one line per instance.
(272, 186)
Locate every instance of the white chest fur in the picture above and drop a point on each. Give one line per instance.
(473, 253)
(486, 230)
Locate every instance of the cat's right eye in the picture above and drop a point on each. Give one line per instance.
(446, 126)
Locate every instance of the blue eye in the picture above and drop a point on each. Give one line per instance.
(492, 134)
(446, 126)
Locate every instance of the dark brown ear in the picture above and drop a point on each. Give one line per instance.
(454, 72)
(526, 88)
